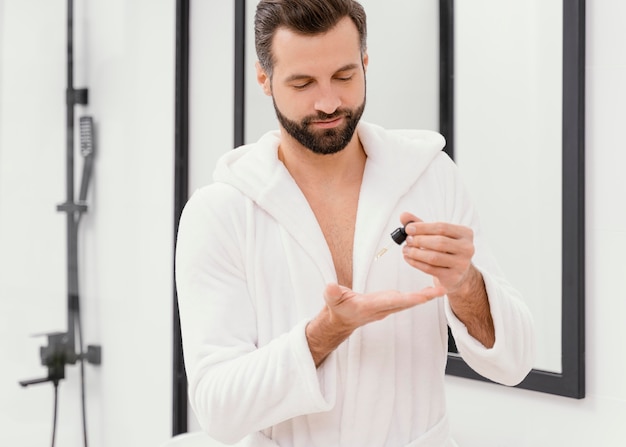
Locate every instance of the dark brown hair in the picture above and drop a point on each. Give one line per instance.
(304, 17)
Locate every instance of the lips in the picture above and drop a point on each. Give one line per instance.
(327, 124)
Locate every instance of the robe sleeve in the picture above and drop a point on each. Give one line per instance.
(512, 356)
(235, 386)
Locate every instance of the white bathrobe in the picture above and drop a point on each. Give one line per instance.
(251, 267)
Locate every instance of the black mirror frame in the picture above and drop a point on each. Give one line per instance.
(181, 172)
(181, 194)
(571, 381)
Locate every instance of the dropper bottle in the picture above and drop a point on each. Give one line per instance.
(398, 236)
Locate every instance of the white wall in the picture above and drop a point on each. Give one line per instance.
(125, 56)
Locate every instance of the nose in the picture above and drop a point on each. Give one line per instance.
(328, 100)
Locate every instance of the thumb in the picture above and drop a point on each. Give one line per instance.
(333, 293)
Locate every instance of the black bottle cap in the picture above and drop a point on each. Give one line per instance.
(398, 235)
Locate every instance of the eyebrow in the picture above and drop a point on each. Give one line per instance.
(299, 77)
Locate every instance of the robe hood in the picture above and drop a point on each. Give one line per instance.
(395, 161)
(399, 155)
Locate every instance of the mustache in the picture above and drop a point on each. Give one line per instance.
(326, 116)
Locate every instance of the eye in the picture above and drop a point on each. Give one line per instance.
(301, 86)
(344, 75)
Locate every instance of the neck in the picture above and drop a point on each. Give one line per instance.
(309, 168)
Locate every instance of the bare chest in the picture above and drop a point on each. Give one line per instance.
(337, 218)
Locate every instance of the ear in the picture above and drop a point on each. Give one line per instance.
(366, 60)
(263, 79)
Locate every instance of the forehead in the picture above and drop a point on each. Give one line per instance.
(319, 53)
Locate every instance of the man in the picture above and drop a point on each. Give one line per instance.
(294, 333)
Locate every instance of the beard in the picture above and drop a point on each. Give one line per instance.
(325, 141)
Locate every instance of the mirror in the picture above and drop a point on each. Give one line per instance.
(518, 92)
(517, 119)
(517, 131)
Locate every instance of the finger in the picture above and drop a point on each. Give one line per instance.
(407, 217)
(431, 245)
(431, 258)
(423, 296)
(431, 292)
(429, 269)
(439, 229)
(447, 277)
(395, 301)
(428, 242)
